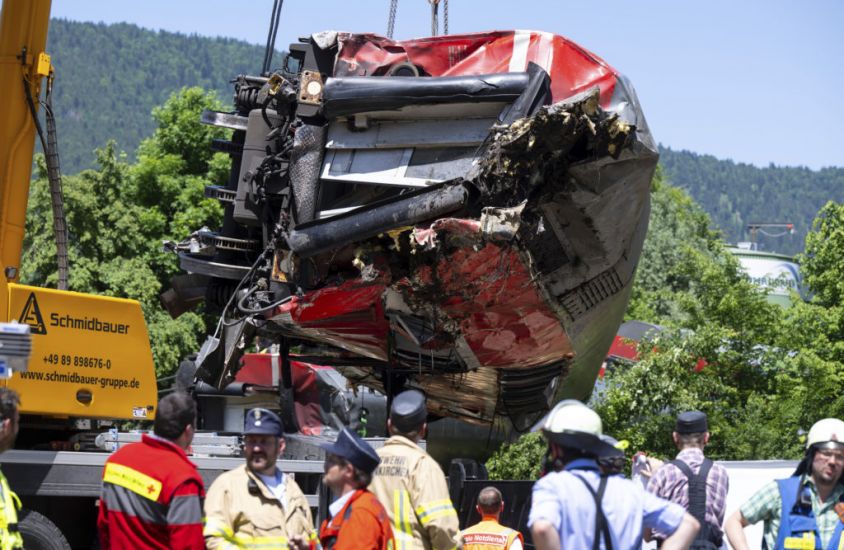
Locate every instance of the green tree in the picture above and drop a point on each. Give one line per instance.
(119, 214)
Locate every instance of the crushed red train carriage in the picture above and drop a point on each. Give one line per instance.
(459, 214)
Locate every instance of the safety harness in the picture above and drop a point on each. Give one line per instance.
(602, 526)
(798, 525)
(707, 538)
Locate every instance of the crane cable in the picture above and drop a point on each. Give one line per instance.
(271, 36)
(435, 19)
(51, 157)
(391, 18)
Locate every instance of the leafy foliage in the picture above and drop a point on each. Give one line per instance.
(119, 214)
(521, 459)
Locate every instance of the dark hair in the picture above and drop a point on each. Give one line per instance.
(412, 435)
(175, 412)
(697, 438)
(489, 500)
(361, 478)
(9, 403)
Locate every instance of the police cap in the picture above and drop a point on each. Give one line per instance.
(408, 411)
(358, 452)
(691, 422)
(262, 422)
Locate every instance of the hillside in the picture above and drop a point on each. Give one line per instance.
(109, 78)
(735, 194)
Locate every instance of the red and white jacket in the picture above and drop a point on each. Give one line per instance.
(152, 498)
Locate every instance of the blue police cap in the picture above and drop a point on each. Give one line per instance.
(691, 422)
(408, 411)
(350, 446)
(262, 422)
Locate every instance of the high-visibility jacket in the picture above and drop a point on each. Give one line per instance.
(152, 498)
(488, 534)
(412, 487)
(361, 524)
(10, 537)
(237, 517)
(798, 527)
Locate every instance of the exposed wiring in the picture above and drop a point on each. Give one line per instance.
(248, 311)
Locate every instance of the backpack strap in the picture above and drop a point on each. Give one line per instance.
(697, 495)
(602, 526)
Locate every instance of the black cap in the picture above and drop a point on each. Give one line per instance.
(350, 446)
(262, 422)
(408, 411)
(691, 422)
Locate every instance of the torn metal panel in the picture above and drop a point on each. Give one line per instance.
(472, 232)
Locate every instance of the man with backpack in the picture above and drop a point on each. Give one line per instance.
(693, 481)
(575, 505)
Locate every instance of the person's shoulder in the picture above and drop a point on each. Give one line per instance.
(230, 477)
(552, 480)
(619, 483)
(719, 468)
(367, 503)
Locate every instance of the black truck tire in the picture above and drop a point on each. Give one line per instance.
(39, 533)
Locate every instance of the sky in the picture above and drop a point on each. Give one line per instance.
(750, 80)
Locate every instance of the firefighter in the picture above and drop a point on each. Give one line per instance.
(10, 537)
(576, 506)
(804, 510)
(357, 520)
(152, 493)
(410, 484)
(489, 534)
(257, 503)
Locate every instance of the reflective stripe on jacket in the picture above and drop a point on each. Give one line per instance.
(362, 524)
(412, 488)
(152, 498)
(489, 535)
(10, 537)
(798, 528)
(237, 518)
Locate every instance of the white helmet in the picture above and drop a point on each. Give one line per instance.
(828, 430)
(574, 425)
(570, 415)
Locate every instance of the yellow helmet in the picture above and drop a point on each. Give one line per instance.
(828, 430)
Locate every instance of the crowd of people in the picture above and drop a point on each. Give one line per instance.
(396, 497)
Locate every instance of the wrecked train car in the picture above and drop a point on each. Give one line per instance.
(459, 214)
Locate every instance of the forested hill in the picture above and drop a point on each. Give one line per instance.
(109, 78)
(735, 194)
